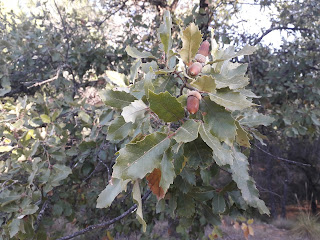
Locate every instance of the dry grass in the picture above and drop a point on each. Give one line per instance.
(307, 227)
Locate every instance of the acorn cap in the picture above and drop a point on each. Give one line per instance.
(204, 48)
(195, 94)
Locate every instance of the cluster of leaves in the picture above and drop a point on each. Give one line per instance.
(177, 153)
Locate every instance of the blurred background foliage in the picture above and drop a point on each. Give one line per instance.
(54, 57)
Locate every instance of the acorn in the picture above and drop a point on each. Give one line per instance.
(204, 48)
(193, 102)
(200, 58)
(195, 68)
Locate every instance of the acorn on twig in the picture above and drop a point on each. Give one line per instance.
(193, 102)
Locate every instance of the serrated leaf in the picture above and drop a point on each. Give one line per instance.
(188, 175)
(232, 83)
(219, 120)
(5, 148)
(188, 132)
(221, 155)
(166, 106)
(111, 191)
(135, 110)
(116, 99)
(185, 206)
(164, 32)
(154, 183)
(218, 203)
(242, 136)
(230, 53)
(245, 183)
(117, 78)
(231, 100)
(252, 118)
(191, 40)
(198, 154)
(137, 159)
(205, 84)
(136, 194)
(45, 118)
(167, 172)
(119, 129)
(135, 53)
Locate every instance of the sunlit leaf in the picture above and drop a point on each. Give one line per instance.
(205, 84)
(191, 40)
(137, 159)
(164, 32)
(135, 53)
(111, 191)
(136, 194)
(117, 99)
(135, 110)
(231, 100)
(242, 136)
(117, 78)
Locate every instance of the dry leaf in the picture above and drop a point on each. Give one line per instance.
(245, 230)
(154, 183)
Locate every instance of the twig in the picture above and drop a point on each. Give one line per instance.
(106, 223)
(46, 81)
(282, 159)
(40, 215)
(278, 28)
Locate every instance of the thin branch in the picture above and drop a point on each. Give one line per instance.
(278, 28)
(46, 81)
(282, 159)
(40, 215)
(106, 223)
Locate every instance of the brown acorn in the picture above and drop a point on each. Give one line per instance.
(204, 48)
(193, 102)
(195, 69)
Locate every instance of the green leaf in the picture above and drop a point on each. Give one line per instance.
(30, 209)
(14, 227)
(221, 155)
(252, 118)
(167, 172)
(218, 203)
(164, 32)
(242, 136)
(111, 191)
(219, 120)
(205, 84)
(230, 53)
(185, 206)
(5, 148)
(137, 159)
(191, 40)
(188, 175)
(245, 183)
(45, 118)
(117, 78)
(166, 106)
(85, 117)
(136, 193)
(134, 70)
(135, 53)
(188, 132)
(198, 154)
(61, 173)
(6, 86)
(117, 99)
(118, 129)
(148, 85)
(231, 100)
(145, 67)
(135, 110)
